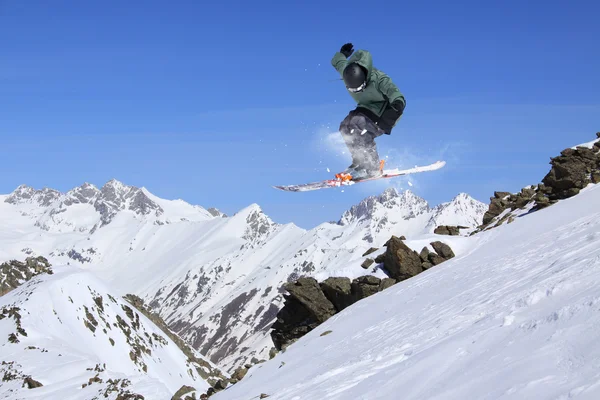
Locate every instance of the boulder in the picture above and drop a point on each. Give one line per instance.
(571, 172)
(434, 259)
(308, 292)
(293, 321)
(400, 261)
(367, 263)
(386, 283)
(338, 291)
(371, 250)
(365, 286)
(447, 230)
(240, 373)
(32, 383)
(443, 250)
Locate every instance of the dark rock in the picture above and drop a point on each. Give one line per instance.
(367, 263)
(527, 193)
(501, 195)
(272, 353)
(14, 273)
(424, 254)
(435, 259)
(240, 373)
(447, 230)
(221, 384)
(308, 292)
(598, 135)
(338, 291)
(570, 172)
(371, 250)
(380, 258)
(32, 383)
(426, 264)
(386, 283)
(182, 391)
(305, 308)
(365, 286)
(443, 250)
(401, 261)
(293, 321)
(263, 396)
(394, 238)
(596, 176)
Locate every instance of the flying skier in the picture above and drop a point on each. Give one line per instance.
(379, 107)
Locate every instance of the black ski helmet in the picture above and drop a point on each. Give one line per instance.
(355, 77)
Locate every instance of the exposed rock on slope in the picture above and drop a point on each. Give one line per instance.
(310, 303)
(571, 171)
(448, 230)
(15, 273)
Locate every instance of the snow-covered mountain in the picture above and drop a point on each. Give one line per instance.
(406, 213)
(215, 279)
(66, 335)
(515, 316)
(87, 208)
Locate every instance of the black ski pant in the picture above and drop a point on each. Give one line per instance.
(359, 133)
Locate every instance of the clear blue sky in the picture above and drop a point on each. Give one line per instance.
(214, 103)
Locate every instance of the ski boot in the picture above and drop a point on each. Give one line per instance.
(361, 173)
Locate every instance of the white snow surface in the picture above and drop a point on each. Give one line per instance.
(69, 319)
(589, 145)
(516, 315)
(215, 280)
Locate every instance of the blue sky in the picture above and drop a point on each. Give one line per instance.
(214, 103)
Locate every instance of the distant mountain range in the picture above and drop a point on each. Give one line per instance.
(214, 278)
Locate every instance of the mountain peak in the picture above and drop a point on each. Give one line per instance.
(462, 210)
(27, 194)
(406, 202)
(258, 224)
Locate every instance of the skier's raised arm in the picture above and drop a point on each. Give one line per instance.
(339, 60)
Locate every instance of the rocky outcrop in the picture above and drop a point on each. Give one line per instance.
(571, 171)
(310, 303)
(401, 261)
(15, 273)
(450, 230)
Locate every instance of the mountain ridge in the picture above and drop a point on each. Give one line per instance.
(213, 278)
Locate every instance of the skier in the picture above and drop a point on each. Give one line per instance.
(379, 107)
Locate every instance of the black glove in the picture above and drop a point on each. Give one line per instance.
(398, 105)
(347, 49)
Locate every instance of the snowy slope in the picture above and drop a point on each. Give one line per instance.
(214, 279)
(515, 317)
(66, 328)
